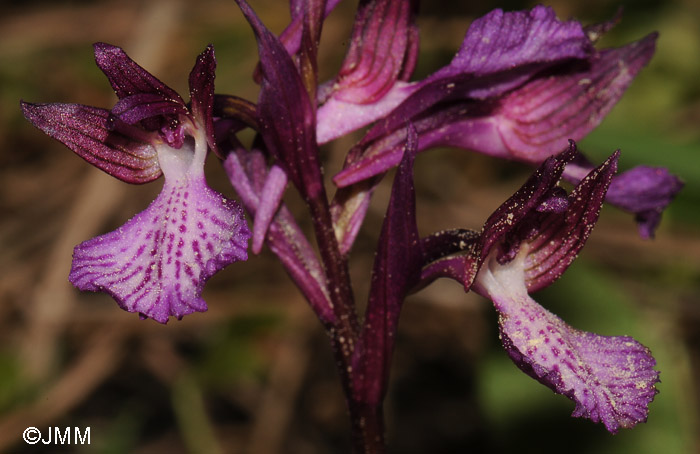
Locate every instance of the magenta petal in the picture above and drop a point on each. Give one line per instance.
(157, 263)
(247, 171)
(611, 379)
(528, 39)
(93, 134)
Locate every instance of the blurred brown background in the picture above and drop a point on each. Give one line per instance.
(254, 374)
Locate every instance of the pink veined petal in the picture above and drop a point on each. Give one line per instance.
(611, 379)
(379, 45)
(337, 117)
(157, 263)
(537, 119)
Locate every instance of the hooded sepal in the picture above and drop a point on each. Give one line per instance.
(127, 77)
(201, 83)
(158, 262)
(396, 270)
(142, 97)
(382, 54)
(566, 103)
(121, 150)
(543, 219)
(564, 225)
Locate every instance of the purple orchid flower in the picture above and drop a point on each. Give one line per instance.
(158, 262)
(525, 245)
(520, 86)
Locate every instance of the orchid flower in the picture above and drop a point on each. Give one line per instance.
(525, 245)
(158, 262)
(520, 86)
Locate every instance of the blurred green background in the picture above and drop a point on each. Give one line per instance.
(255, 374)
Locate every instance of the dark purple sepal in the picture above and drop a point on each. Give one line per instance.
(149, 98)
(230, 107)
(286, 115)
(135, 108)
(291, 36)
(396, 269)
(127, 77)
(512, 216)
(564, 226)
(201, 83)
(121, 150)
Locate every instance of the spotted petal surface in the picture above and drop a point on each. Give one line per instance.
(157, 263)
(610, 378)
